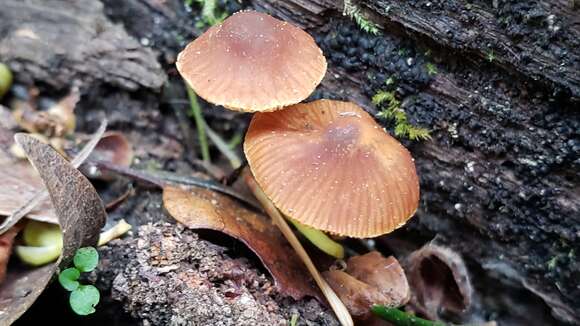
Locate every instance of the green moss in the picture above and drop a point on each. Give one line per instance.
(363, 23)
(431, 69)
(210, 13)
(390, 109)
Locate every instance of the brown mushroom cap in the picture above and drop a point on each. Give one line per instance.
(329, 165)
(253, 62)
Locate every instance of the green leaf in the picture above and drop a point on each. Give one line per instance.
(84, 299)
(86, 259)
(401, 318)
(68, 278)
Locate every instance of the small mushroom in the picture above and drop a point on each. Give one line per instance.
(439, 281)
(330, 166)
(252, 62)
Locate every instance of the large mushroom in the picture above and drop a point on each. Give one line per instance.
(329, 165)
(253, 62)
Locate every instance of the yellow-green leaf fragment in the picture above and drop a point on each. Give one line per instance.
(5, 79)
(38, 256)
(40, 234)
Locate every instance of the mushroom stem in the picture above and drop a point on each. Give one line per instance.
(320, 240)
(339, 308)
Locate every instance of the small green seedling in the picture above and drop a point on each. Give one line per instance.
(83, 298)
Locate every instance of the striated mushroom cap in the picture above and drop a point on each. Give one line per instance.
(329, 165)
(253, 62)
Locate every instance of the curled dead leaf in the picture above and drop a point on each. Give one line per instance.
(439, 281)
(80, 214)
(114, 148)
(204, 209)
(370, 279)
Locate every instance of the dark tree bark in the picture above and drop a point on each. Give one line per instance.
(498, 85)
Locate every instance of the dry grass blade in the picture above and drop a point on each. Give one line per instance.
(41, 195)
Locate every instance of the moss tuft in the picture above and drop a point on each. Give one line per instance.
(390, 109)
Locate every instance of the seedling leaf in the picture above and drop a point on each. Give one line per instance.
(86, 259)
(84, 299)
(68, 278)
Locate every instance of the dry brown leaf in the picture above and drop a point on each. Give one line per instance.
(203, 209)
(384, 274)
(20, 183)
(81, 216)
(370, 279)
(439, 281)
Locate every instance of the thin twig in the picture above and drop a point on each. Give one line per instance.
(162, 178)
(41, 195)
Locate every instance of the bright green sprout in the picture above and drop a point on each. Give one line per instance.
(401, 318)
(363, 23)
(83, 298)
(391, 110)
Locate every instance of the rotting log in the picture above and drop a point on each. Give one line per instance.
(499, 178)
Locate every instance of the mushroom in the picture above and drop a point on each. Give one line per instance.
(252, 62)
(327, 164)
